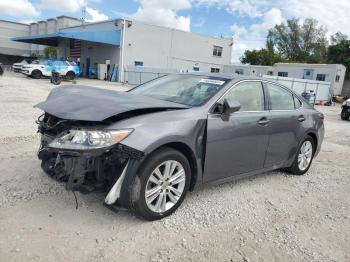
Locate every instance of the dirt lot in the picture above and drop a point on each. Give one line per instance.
(270, 217)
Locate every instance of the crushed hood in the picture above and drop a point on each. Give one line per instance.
(96, 104)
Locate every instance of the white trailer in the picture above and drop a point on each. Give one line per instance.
(321, 89)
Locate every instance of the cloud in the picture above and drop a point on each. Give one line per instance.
(95, 15)
(254, 36)
(250, 8)
(164, 13)
(200, 22)
(18, 8)
(70, 6)
(334, 15)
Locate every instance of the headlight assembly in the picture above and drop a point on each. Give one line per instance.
(89, 139)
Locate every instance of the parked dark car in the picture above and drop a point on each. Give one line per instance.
(147, 147)
(345, 110)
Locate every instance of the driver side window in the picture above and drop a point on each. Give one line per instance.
(249, 94)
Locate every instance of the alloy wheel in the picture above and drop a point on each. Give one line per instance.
(305, 155)
(165, 186)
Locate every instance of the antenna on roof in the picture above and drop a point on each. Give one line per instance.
(83, 14)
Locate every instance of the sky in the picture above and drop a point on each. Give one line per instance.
(246, 21)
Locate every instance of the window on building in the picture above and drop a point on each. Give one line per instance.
(284, 74)
(270, 73)
(280, 98)
(337, 78)
(195, 68)
(239, 71)
(214, 70)
(321, 77)
(217, 51)
(138, 63)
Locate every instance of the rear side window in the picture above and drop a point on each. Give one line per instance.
(280, 98)
(249, 94)
(297, 102)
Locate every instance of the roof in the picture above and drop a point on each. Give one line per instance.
(306, 64)
(111, 37)
(66, 16)
(12, 22)
(224, 75)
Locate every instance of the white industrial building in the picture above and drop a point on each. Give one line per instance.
(248, 70)
(126, 44)
(13, 51)
(333, 73)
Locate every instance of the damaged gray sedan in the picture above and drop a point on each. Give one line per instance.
(148, 147)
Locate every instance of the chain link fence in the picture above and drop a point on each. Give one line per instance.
(136, 75)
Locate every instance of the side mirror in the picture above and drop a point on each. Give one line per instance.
(230, 106)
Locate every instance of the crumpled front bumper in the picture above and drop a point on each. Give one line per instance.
(87, 170)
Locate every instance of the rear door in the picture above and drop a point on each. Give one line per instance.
(238, 144)
(286, 126)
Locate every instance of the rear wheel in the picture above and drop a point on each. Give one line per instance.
(161, 185)
(70, 75)
(36, 74)
(303, 159)
(344, 114)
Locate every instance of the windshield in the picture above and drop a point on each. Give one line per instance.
(192, 90)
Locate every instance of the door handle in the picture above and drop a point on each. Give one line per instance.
(263, 121)
(301, 118)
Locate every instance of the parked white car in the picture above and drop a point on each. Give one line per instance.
(44, 67)
(17, 67)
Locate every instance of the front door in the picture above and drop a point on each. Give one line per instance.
(238, 144)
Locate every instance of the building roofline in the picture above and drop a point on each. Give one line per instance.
(13, 22)
(249, 65)
(66, 16)
(306, 64)
(146, 23)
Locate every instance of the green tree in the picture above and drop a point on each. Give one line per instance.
(298, 42)
(339, 51)
(50, 52)
(260, 57)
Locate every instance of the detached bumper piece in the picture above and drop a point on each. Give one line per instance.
(87, 171)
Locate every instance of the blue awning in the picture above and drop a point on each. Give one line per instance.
(111, 37)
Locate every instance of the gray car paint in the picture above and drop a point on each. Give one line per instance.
(96, 104)
(243, 155)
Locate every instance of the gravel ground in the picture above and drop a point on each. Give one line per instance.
(269, 217)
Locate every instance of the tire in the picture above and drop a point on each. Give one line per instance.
(144, 206)
(344, 115)
(70, 75)
(296, 168)
(36, 74)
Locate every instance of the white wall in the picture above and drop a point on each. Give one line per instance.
(9, 30)
(248, 70)
(161, 47)
(330, 70)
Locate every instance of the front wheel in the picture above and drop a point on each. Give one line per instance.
(161, 185)
(36, 74)
(303, 158)
(70, 75)
(344, 114)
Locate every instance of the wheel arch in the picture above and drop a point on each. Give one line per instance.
(135, 166)
(315, 139)
(189, 154)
